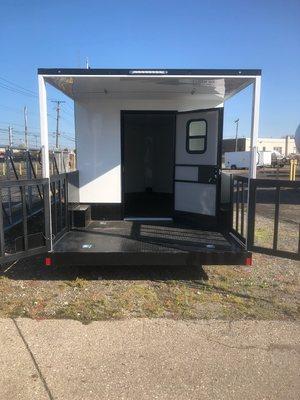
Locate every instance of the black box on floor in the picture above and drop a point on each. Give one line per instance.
(80, 215)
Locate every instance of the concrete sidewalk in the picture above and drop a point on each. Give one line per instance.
(149, 359)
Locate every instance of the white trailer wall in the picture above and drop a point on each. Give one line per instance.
(98, 138)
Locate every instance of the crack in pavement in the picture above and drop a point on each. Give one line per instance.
(33, 360)
(270, 347)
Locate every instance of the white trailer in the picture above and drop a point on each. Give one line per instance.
(264, 159)
(148, 186)
(242, 159)
(237, 159)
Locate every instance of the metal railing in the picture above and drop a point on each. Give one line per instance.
(15, 242)
(277, 203)
(59, 205)
(265, 215)
(34, 233)
(239, 196)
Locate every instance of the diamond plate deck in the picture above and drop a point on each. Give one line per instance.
(128, 236)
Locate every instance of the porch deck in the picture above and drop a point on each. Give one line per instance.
(146, 243)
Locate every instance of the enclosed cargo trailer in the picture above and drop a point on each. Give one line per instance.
(149, 188)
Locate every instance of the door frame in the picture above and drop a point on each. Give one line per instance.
(202, 219)
(122, 119)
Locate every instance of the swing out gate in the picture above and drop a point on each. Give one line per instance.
(33, 232)
(266, 215)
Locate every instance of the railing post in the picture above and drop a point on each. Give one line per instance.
(251, 213)
(9, 189)
(237, 206)
(276, 217)
(24, 216)
(29, 177)
(242, 208)
(48, 228)
(66, 193)
(231, 200)
(2, 247)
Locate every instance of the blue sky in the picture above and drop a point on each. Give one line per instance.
(169, 34)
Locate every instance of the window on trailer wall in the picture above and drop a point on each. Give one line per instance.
(196, 136)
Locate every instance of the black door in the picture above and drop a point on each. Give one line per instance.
(148, 163)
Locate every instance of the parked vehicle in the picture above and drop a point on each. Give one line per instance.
(278, 160)
(264, 159)
(237, 159)
(241, 159)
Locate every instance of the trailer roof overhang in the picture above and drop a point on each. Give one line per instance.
(215, 86)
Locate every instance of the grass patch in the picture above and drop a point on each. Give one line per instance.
(77, 283)
(269, 290)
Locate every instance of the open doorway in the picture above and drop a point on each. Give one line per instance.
(148, 163)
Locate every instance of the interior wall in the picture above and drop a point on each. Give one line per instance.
(98, 139)
(148, 152)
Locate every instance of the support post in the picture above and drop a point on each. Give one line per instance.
(254, 126)
(44, 127)
(45, 158)
(253, 162)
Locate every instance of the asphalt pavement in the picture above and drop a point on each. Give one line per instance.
(149, 359)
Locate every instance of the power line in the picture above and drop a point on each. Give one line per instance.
(16, 110)
(15, 123)
(68, 114)
(14, 90)
(19, 132)
(18, 86)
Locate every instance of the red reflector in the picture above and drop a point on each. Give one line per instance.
(248, 261)
(48, 261)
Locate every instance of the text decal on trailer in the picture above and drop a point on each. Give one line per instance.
(148, 72)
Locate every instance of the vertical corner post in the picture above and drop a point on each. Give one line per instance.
(254, 126)
(44, 126)
(45, 159)
(253, 162)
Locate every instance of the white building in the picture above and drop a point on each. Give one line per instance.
(284, 146)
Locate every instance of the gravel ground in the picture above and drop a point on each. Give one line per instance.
(267, 290)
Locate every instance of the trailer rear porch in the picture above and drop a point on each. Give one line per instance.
(146, 243)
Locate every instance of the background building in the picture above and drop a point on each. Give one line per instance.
(284, 146)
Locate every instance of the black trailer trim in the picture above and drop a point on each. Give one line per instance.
(148, 71)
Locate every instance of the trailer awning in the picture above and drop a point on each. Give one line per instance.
(215, 86)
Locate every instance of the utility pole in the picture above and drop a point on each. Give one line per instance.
(25, 127)
(57, 133)
(236, 133)
(10, 136)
